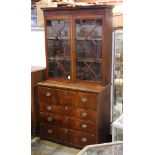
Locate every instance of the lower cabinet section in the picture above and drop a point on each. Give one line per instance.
(74, 115)
(70, 137)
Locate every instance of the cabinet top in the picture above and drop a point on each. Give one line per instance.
(77, 7)
(73, 86)
(36, 69)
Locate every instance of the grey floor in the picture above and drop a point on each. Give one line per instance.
(43, 147)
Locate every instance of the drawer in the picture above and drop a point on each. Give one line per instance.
(65, 135)
(69, 123)
(85, 100)
(69, 111)
(68, 98)
(81, 138)
(45, 107)
(82, 114)
(64, 97)
(53, 133)
(46, 95)
(82, 126)
(51, 108)
(55, 120)
(76, 99)
(55, 96)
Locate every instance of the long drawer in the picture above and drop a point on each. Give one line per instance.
(65, 135)
(69, 123)
(53, 132)
(69, 111)
(67, 97)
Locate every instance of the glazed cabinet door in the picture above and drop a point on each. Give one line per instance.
(89, 47)
(58, 47)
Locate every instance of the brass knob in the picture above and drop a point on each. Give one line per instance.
(48, 94)
(84, 126)
(83, 140)
(66, 108)
(84, 114)
(66, 131)
(50, 131)
(49, 119)
(84, 100)
(49, 107)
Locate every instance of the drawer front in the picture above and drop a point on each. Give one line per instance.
(55, 96)
(65, 135)
(53, 133)
(82, 126)
(46, 95)
(68, 111)
(76, 99)
(51, 108)
(82, 114)
(64, 97)
(55, 120)
(45, 107)
(81, 138)
(69, 123)
(68, 98)
(85, 100)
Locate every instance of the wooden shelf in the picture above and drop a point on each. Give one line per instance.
(83, 38)
(67, 58)
(62, 38)
(59, 58)
(89, 60)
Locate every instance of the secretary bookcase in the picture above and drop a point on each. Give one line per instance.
(74, 101)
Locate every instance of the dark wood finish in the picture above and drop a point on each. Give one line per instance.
(75, 111)
(81, 126)
(84, 112)
(72, 86)
(88, 12)
(69, 123)
(66, 137)
(52, 132)
(69, 111)
(37, 75)
(77, 138)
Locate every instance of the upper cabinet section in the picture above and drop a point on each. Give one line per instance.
(78, 44)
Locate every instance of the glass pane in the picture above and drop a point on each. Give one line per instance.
(58, 36)
(115, 148)
(117, 73)
(89, 49)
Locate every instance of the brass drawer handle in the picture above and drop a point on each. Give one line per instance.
(66, 131)
(84, 114)
(49, 119)
(84, 100)
(50, 131)
(49, 107)
(83, 140)
(48, 94)
(84, 126)
(66, 108)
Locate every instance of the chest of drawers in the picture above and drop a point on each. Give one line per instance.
(74, 114)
